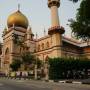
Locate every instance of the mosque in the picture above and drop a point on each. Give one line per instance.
(55, 44)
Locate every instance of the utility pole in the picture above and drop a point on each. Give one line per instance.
(46, 71)
(36, 62)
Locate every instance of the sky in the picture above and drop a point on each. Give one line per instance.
(38, 14)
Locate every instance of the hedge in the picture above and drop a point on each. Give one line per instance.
(68, 68)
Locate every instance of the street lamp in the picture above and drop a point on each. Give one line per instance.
(46, 71)
(36, 69)
(36, 62)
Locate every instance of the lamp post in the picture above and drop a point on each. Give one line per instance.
(36, 63)
(46, 71)
(36, 69)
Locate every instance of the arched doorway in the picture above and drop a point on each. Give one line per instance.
(7, 54)
(6, 60)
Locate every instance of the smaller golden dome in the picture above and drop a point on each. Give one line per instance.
(17, 19)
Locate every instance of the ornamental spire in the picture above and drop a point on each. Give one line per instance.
(18, 7)
(36, 36)
(44, 32)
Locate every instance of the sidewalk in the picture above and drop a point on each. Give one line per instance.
(76, 81)
(73, 81)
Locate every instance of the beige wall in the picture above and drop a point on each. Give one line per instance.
(50, 46)
(13, 49)
(54, 49)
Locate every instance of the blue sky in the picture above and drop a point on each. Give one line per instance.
(37, 13)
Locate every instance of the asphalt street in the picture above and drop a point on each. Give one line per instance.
(7, 84)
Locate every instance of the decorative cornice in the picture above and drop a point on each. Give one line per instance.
(75, 42)
(56, 29)
(16, 29)
(42, 38)
(49, 48)
(53, 3)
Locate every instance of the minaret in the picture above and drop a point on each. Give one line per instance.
(55, 30)
(30, 35)
(55, 23)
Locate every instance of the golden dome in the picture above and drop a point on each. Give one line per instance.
(17, 19)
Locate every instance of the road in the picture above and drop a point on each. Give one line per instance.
(7, 84)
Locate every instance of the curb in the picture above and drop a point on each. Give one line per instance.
(72, 82)
(62, 81)
(51, 81)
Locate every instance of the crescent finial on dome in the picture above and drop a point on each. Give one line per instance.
(18, 7)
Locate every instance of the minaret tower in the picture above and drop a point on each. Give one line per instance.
(55, 23)
(55, 30)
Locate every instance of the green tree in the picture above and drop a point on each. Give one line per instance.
(28, 59)
(15, 65)
(38, 62)
(81, 26)
(17, 40)
(68, 68)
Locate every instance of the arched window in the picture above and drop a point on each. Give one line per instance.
(46, 58)
(38, 47)
(47, 45)
(7, 51)
(20, 49)
(25, 37)
(42, 46)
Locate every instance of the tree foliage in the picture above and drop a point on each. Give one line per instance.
(28, 58)
(62, 68)
(15, 65)
(38, 63)
(81, 26)
(17, 40)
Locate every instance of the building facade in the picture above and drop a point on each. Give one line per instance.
(18, 38)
